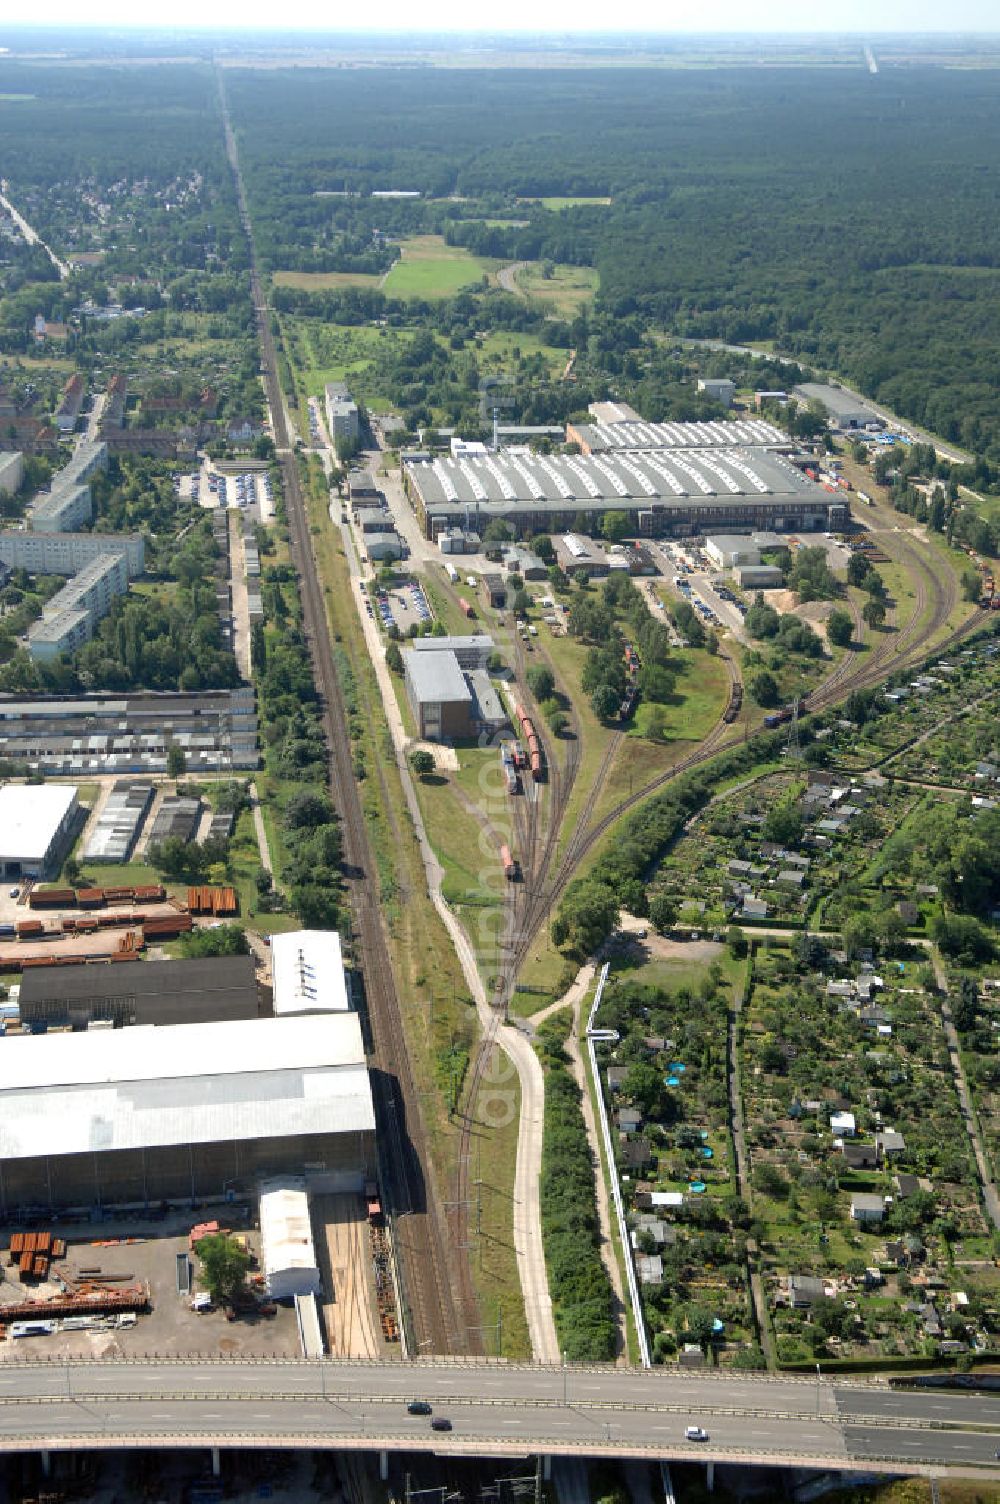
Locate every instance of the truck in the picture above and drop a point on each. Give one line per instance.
(464, 607)
(452, 573)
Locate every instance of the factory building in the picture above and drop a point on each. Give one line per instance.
(843, 410)
(11, 472)
(37, 825)
(580, 556)
(307, 968)
(439, 696)
(65, 553)
(342, 417)
(759, 577)
(729, 550)
(718, 388)
(211, 989)
(474, 651)
(634, 435)
(662, 492)
(217, 730)
(178, 1113)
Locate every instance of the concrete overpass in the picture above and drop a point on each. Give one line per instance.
(496, 1409)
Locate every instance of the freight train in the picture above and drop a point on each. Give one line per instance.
(779, 717)
(732, 710)
(508, 765)
(633, 663)
(532, 743)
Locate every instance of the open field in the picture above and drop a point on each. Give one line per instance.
(565, 292)
(555, 203)
(322, 281)
(431, 269)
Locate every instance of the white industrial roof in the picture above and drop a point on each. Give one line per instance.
(147, 1086)
(30, 816)
(308, 971)
(285, 1228)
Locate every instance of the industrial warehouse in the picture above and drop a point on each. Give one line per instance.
(37, 825)
(134, 1115)
(216, 729)
(663, 492)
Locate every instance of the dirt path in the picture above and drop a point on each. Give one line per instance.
(526, 1215)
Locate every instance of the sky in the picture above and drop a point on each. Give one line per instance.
(867, 17)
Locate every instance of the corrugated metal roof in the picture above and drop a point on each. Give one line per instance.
(308, 971)
(181, 1051)
(193, 1110)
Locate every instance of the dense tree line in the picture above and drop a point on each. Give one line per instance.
(582, 1303)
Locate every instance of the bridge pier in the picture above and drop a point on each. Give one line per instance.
(547, 1469)
(383, 1466)
(46, 1457)
(216, 1463)
(710, 1477)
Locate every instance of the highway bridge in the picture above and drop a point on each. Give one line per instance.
(495, 1409)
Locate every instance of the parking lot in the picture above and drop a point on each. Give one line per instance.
(403, 606)
(249, 490)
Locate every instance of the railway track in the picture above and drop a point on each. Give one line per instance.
(428, 1265)
(899, 650)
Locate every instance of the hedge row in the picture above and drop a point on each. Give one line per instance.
(582, 1298)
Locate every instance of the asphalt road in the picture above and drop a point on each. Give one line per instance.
(493, 1408)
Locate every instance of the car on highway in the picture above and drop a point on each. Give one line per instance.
(695, 1433)
(418, 1407)
(440, 1423)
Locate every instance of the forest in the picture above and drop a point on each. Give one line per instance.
(836, 214)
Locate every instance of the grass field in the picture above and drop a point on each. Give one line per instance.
(501, 349)
(557, 203)
(322, 281)
(431, 269)
(565, 292)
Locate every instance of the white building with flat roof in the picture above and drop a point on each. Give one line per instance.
(185, 1111)
(288, 1254)
(307, 968)
(36, 825)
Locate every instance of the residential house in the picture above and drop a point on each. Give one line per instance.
(860, 1156)
(867, 1207)
(843, 1124)
(629, 1119)
(803, 1291)
(616, 1076)
(636, 1153)
(889, 1144)
(906, 1186)
(649, 1267)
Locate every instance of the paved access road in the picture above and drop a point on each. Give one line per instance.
(494, 1409)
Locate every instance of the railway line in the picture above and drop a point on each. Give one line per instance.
(895, 651)
(430, 1270)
